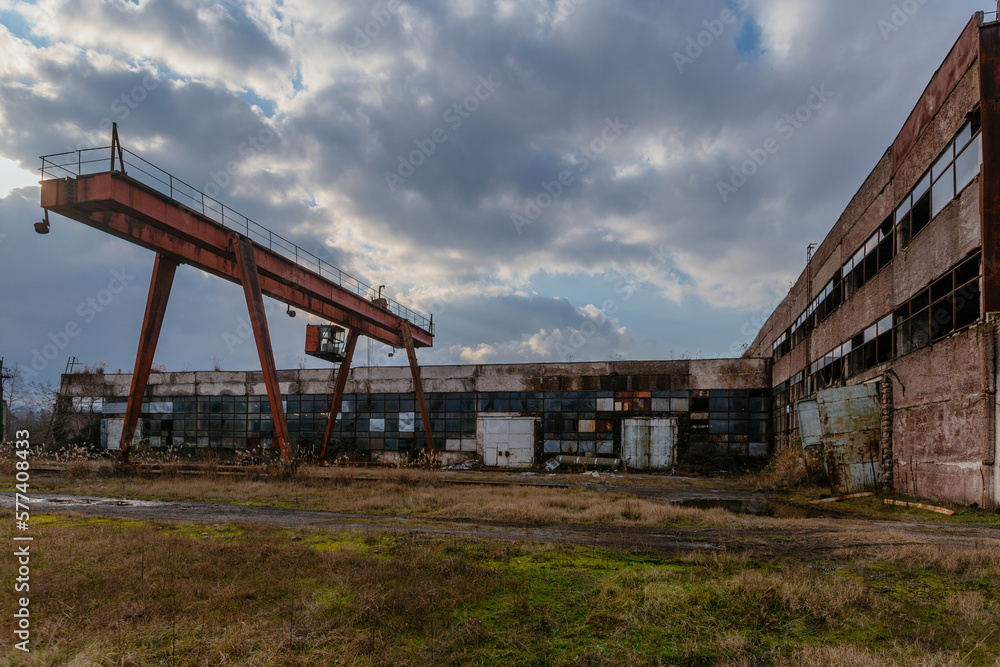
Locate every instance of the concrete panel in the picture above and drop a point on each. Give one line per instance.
(730, 373)
(941, 420)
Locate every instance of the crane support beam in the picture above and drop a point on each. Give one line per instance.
(338, 390)
(164, 269)
(119, 205)
(258, 320)
(418, 385)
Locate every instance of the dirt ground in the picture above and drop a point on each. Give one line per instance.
(778, 526)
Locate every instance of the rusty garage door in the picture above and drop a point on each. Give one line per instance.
(649, 443)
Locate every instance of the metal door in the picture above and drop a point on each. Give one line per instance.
(507, 441)
(649, 444)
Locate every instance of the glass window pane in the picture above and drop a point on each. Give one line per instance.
(942, 164)
(967, 165)
(963, 136)
(885, 325)
(943, 192)
(871, 244)
(903, 209)
(718, 426)
(922, 187)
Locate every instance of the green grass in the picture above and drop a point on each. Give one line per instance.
(107, 592)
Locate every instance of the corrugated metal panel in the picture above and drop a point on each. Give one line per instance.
(850, 418)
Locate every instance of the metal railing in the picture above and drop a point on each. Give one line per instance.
(89, 161)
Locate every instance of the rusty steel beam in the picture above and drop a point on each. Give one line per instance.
(989, 187)
(258, 318)
(301, 296)
(164, 269)
(119, 205)
(338, 390)
(418, 385)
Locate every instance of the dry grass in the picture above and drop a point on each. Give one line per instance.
(789, 469)
(124, 593)
(415, 494)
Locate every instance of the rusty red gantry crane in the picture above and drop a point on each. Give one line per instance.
(116, 191)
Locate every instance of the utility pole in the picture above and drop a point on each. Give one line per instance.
(809, 300)
(4, 375)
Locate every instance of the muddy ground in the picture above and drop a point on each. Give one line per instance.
(806, 531)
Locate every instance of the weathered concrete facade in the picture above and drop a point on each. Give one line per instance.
(720, 408)
(914, 313)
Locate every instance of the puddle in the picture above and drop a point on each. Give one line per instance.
(120, 502)
(754, 507)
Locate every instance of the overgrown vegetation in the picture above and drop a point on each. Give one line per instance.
(126, 593)
(402, 492)
(790, 468)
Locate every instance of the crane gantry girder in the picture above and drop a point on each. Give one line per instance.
(119, 205)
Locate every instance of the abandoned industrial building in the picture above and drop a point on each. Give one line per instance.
(692, 409)
(886, 347)
(903, 290)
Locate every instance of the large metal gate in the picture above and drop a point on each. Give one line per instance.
(506, 441)
(649, 444)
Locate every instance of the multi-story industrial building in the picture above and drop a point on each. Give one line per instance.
(904, 288)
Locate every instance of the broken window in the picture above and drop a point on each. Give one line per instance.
(949, 304)
(955, 168)
(920, 216)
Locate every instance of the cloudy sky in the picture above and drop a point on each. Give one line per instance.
(552, 180)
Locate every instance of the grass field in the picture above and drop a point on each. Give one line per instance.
(127, 593)
(800, 592)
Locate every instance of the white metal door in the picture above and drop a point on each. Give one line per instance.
(507, 441)
(649, 443)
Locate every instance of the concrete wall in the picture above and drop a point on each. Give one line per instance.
(630, 376)
(942, 419)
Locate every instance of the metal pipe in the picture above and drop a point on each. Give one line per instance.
(592, 461)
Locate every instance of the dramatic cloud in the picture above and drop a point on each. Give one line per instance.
(552, 179)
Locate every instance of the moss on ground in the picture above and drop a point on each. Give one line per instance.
(126, 592)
